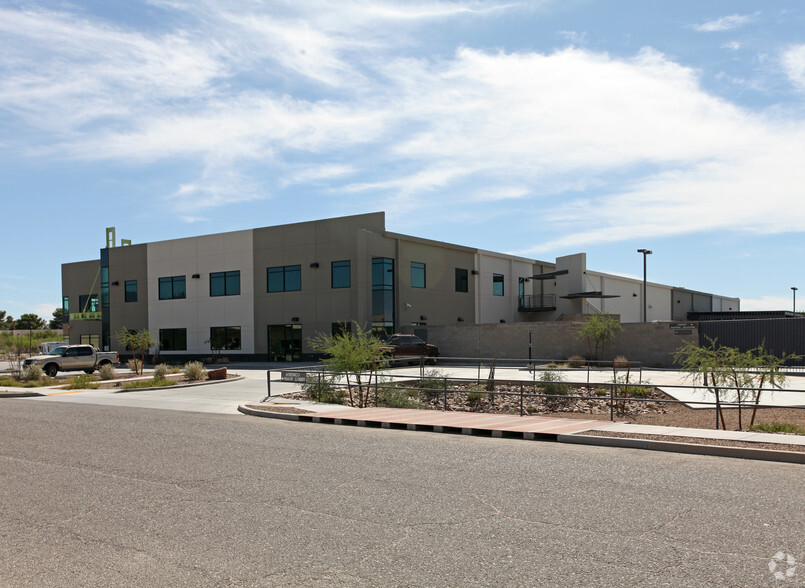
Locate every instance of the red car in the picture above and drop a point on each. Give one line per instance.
(410, 348)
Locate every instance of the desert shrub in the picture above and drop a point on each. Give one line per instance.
(392, 397)
(431, 383)
(553, 383)
(575, 361)
(83, 381)
(620, 362)
(776, 427)
(194, 370)
(32, 373)
(476, 398)
(135, 365)
(637, 391)
(107, 372)
(322, 388)
(160, 371)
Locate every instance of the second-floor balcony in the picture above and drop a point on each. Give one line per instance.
(536, 303)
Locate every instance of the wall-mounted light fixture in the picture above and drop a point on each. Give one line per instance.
(475, 272)
(460, 319)
(422, 317)
(314, 264)
(294, 319)
(196, 276)
(115, 283)
(634, 294)
(503, 320)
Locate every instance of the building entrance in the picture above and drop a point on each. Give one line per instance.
(284, 342)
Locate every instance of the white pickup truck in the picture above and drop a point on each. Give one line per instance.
(70, 358)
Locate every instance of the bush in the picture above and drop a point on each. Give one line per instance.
(194, 370)
(637, 391)
(83, 381)
(476, 398)
(575, 361)
(323, 389)
(107, 372)
(135, 365)
(32, 373)
(620, 362)
(160, 371)
(392, 397)
(776, 427)
(553, 383)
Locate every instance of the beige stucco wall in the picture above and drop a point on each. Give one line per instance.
(199, 311)
(127, 263)
(78, 279)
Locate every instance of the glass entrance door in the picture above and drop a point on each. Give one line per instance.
(284, 342)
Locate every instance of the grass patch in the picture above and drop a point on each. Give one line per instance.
(84, 381)
(776, 427)
(10, 382)
(154, 383)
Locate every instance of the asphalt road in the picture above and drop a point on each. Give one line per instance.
(97, 495)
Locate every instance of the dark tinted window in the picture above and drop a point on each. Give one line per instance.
(341, 275)
(225, 283)
(462, 280)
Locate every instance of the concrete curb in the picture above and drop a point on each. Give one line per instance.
(20, 394)
(577, 438)
(122, 390)
(692, 448)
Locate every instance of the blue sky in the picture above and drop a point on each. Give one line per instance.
(540, 128)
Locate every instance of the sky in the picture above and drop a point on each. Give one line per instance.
(539, 127)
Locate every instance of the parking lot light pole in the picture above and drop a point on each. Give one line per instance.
(794, 290)
(644, 252)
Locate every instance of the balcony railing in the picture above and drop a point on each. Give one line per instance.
(536, 303)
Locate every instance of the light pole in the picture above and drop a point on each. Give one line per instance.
(794, 290)
(644, 252)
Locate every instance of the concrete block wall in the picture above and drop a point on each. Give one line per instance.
(652, 344)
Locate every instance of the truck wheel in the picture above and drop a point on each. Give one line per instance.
(89, 371)
(51, 370)
(104, 362)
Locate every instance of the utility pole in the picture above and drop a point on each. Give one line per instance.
(645, 305)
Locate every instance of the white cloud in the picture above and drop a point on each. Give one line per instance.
(793, 61)
(726, 23)
(732, 45)
(769, 303)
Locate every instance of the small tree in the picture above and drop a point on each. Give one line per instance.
(139, 342)
(597, 330)
(357, 355)
(57, 322)
(30, 321)
(745, 372)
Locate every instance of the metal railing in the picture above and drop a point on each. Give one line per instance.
(536, 302)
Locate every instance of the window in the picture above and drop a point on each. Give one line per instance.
(225, 283)
(497, 284)
(173, 339)
(131, 290)
(225, 338)
(93, 340)
(172, 288)
(88, 303)
(462, 280)
(341, 277)
(382, 296)
(65, 304)
(286, 278)
(417, 274)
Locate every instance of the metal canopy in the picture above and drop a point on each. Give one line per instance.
(549, 275)
(590, 295)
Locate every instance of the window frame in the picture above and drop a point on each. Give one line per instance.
(465, 280)
(174, 281)
(226, 332)
(228, 280)
(285, 271)
(126, 293)
(163, 333)
(338, 268)
(418, 275)
(498, 279)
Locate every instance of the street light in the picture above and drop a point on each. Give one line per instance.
(644, 252)
(794, 290)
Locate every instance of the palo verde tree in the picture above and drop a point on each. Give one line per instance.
(357, 355)
(733, 375)
(597, 330)
(138, 341)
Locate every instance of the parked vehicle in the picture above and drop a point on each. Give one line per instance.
(410, 348)
(70, 358)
